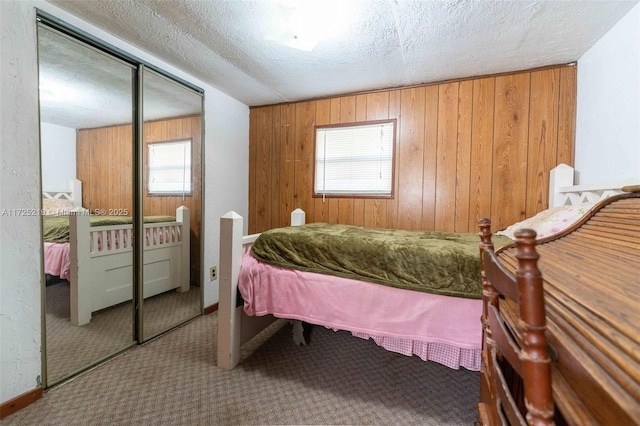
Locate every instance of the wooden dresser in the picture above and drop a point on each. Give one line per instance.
(591, 278)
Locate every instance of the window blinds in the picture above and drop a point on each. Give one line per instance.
(354, 160)
(170, 168)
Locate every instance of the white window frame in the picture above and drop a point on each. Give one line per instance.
(182, 187)
(357, 179)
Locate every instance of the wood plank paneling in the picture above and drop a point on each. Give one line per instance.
(481, 150)
(430, 158)
(410, 158)
(446, 153)
(303, 189)
(94, 183)
(263, 167)
(276, 166)
(543, 136)
(463, 157)
(464, 149)
(511, 127)
(287, 167)
(395, 109)
(567, 115)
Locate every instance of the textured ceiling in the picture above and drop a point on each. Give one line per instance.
(243, 47)
(83, 88)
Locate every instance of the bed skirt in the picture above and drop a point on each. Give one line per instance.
(447, 355)
(437, 328)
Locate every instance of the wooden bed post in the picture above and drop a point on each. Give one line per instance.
(79, 256)
(76, 188)
(183, 215)
(536, 364)
(489, 294)
(229, 321)
(489, 297)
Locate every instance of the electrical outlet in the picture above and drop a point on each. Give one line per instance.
(213, 273)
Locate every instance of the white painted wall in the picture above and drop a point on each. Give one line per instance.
(226, 185)
(20, 247)
(608, 110)
(227, 170)
(58, 152)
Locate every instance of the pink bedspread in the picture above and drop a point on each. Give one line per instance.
(437, 328)
(56, 259)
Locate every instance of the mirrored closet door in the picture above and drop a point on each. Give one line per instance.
(121, 170)
(86, 134)
(171, 200)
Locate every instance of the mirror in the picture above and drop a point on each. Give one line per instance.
(88, 147)
(86, 112)
(172, 200)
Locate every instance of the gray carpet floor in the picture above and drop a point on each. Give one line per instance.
(71, 348)
(336, 379)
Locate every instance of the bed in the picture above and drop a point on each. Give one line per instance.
(589, 281)
(94, 253)
(441, 328)
(56, 254)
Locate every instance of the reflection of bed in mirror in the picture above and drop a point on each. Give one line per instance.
(94, 252)
(56, 254)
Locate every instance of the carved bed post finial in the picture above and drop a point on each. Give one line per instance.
(485, 233)
(536, 364)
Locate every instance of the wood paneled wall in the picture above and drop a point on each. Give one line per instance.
(104, 165)
(479, 147)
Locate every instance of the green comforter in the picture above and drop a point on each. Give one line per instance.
(56, 228)
(435, 262)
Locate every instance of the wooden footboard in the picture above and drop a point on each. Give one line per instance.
(590, 280)
(234, 326)
(101, 262)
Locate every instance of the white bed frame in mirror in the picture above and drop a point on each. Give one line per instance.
(73, 194)
(101, 274)
(235, 328)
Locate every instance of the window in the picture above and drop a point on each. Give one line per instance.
(169, 171)
(355, 160)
